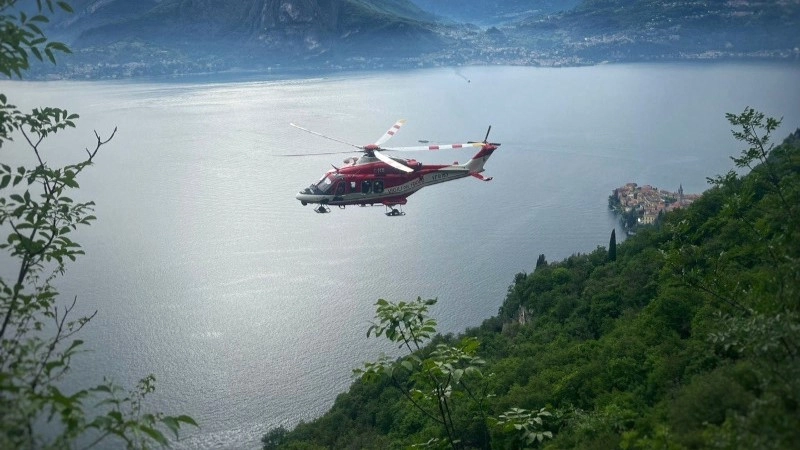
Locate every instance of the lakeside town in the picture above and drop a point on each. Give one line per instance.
(641, 205)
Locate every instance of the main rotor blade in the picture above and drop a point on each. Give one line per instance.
(388, 135)
(349, 152)
(433, 147)
(391, 162)
(327, 137)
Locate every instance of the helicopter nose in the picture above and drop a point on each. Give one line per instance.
(303, 197)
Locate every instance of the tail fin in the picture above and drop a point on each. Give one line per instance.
(475, 165)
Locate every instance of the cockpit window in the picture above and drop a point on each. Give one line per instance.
(324, 184)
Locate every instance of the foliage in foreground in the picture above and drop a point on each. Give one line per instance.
(687, 338)
(38, 341)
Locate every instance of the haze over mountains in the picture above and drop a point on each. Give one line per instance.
(123, 38)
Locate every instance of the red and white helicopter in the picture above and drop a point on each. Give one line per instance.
(375, 178)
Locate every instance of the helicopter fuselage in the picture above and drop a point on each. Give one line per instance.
(369, 181)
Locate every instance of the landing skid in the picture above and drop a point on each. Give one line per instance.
(394, 212)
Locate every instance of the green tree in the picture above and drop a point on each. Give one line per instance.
(744, 261)
(432, 383)
(541, 261)
(37, 331)
(612, 246)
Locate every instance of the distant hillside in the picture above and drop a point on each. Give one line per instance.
(245, 33)
(493, 12)
(128, 38)
(89, 14)
(259, 23)
(663, 29)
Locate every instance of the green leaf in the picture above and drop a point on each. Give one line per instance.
(4, 181)
(155, 435)
(36, 30)
(74, 344)
(172, 424)
(65, 6)
(36, 53)
(187, 419)
(457, 374)
(52, 365)
(116, 415)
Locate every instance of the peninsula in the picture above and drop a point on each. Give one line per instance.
(641, 205)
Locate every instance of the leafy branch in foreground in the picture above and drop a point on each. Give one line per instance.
(37, 329)
(529, 424)
(443, 382)
(22, 34)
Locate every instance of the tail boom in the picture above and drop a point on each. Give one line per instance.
(475, 165)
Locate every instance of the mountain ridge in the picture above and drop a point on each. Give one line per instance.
(115, 38)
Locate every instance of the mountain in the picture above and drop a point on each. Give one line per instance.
(127, 38)
(493, 12)
(218, 34)
(271, 24)
(635, 30)
(90, 14)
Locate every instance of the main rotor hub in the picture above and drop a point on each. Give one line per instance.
(371, 147)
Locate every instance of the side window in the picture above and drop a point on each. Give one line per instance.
(340, 188)
(366, 185)
(378, 186)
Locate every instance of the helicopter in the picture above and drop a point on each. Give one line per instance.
(375, 178)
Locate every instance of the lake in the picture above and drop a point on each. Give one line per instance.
(251, 310)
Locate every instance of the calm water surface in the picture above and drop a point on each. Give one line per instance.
(251, 310)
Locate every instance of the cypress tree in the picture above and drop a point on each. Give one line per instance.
(612, 246)
(541, 261)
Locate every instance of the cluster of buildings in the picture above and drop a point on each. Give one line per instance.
(641, 205)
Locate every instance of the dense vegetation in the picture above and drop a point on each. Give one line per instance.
(686, 338)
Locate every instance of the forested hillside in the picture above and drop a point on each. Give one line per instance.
(684, 336)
